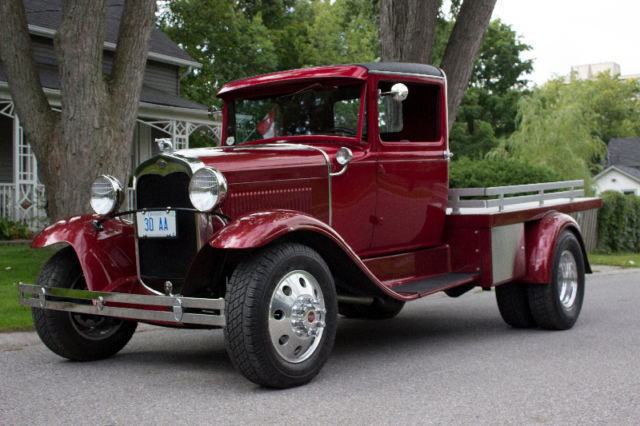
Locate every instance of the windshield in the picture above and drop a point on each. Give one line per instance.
(309, 109)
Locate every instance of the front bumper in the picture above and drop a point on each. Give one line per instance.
(166, 309)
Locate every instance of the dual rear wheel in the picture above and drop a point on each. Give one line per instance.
(554, 306)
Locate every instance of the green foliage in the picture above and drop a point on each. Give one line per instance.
(217, 34)
(618, 223)
(557, 128)
(488, 110)
(235, 39)
(467, 173)
(14, 230)
(18, 263)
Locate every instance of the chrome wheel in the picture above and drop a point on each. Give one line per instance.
(296, 316)
(568, 279)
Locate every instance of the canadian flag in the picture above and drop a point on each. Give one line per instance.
(267, 127)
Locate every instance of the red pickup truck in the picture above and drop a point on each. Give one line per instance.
(329, 195)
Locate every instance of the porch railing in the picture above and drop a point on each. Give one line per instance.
(7, 193)
(29, 211)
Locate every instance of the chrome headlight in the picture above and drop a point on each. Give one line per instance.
(207, 189)
(106, 195)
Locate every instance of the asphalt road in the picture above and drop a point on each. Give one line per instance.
(442, 361)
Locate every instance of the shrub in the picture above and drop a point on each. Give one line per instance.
(14, 230)
(618, 223)
(466, 173)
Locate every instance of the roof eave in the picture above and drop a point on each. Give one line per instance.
(50, 33)
(614, 168)
(146, 110)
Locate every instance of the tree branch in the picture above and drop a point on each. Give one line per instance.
(407, 29)
(19, 66)
(134, 35)
(462, 49)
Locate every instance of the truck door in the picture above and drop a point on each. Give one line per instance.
(412, 165)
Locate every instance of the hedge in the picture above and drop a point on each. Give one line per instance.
(618, 223)
(466, 173)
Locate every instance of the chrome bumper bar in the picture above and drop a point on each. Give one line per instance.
(179, 310)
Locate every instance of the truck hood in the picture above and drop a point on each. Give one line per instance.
(272, 162)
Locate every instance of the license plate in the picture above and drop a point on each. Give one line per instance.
(156, 224)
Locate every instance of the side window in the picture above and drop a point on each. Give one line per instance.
(416, 119)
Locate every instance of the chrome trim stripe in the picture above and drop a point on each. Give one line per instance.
(93, 303)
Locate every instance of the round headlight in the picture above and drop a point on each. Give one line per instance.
(106, 194)
(207, 189)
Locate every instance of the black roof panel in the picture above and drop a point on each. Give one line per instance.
(403, 68)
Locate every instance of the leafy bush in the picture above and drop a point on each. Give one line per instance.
(618, 223)
(13, 230)
(466, 173)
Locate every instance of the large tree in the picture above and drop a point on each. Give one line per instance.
(94, 129)
(407, 34)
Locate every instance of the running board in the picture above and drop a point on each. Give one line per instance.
(434, 284)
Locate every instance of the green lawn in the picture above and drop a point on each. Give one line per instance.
(629, 260)
(18, 263)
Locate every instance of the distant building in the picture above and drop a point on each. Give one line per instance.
(162, 112)
(622, 169)
(591, 71)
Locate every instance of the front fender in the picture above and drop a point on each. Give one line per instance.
(258, 229)
(541, 238)
(107, 257)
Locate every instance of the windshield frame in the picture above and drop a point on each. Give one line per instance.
(292, 88)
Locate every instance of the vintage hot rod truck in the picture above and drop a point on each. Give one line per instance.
(329, 195)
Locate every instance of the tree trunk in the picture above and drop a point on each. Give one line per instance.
(407, 30)
(462, 50)
(94, 130)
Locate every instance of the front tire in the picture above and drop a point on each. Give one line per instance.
(281, 315)
(556, 306)
(78, 337)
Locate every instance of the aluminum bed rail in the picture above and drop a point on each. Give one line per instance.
(503, 195)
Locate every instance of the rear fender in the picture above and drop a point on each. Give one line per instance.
(107, 257)
(541, 237)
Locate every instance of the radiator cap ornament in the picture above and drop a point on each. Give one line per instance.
(164, 144)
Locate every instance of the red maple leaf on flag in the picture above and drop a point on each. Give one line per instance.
(267, 127)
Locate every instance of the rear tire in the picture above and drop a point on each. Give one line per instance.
(78, 337)
(281, 315)
(381, 308)
(556, 306)
(513, 303)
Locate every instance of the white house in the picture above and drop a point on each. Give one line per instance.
(622, 169)
(162, 112)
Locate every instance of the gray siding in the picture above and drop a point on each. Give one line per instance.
(163, 77)
(6, 149)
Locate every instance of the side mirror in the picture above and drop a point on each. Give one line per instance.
(398, 92)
